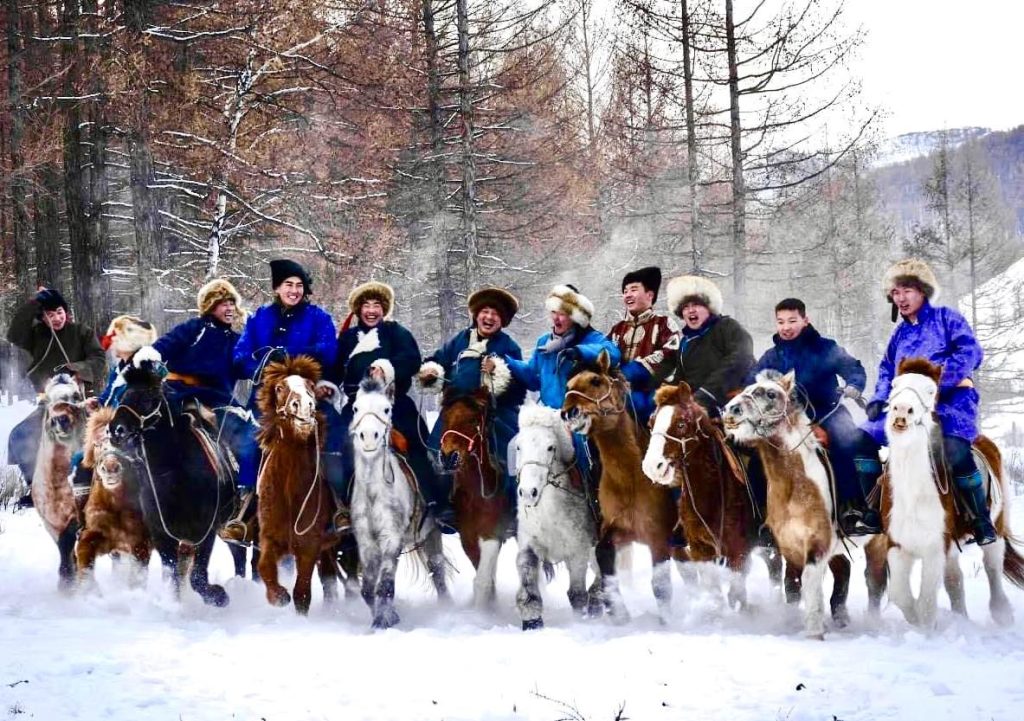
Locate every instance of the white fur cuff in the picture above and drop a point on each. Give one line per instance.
(146, 353)
(430, 379)
(336, 398)
(498, 380)
(385, 366)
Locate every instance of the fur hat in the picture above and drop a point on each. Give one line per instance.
(687, 288)
(214, 292)
(284, 268)
(567, 299)
(911, 272)
(373, 290)
(51, 299)
(127, 334)
(649, 277)
(498, 298)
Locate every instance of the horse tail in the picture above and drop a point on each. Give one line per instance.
(994, 461)
(549, 571)
(1013, 563)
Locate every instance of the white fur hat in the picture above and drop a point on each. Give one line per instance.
(914, 271)
(693, 287)
(566, 299)
(128, 334)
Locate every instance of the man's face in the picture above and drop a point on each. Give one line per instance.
(371, 312)
(560, 322)
(488, 321)
(225, 312)
(56, 319)
(695, 315)
(291, 291)
(789, 323)
(636, 298)
(908, 299)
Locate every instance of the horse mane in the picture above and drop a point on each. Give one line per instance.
(534, 415)
(95, 424)
(920, 366)
(301, 365)
(54, 388)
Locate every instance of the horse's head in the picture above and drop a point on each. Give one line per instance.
(595, 395)
(142, 404)
(912, 400)
(64, 409)
(765, 409)
(463, 420)
(543, 450)
(371, 416)
(100, 454)
(287, 396)
(677, 426)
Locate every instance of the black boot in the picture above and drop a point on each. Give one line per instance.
(972, 490)
(24, 502)
(860, 518)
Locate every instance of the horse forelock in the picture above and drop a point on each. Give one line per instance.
(534, 415)
(62, 388)
(920, 366)
(95, 428)
(915, 388)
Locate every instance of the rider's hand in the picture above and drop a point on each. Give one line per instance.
(277, 355)
(488, 365)
(377, 373)
(851, 392)
(874, 410)
(92, 404)
(323, 392)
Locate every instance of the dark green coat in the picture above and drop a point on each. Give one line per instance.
(84, 354)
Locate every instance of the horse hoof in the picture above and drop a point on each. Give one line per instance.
(385, 620)
(816, 636)
(215, 596)
(841, 617)
(1002, 615)
(533, 624)
(279, 597)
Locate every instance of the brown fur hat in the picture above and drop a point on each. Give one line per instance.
(216, 291)
(373, 290)
(567, 299)
(498, 298)
(128, 333)
(914, 273)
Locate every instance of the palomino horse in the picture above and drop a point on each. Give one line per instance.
(295, 502)
(52, 493)
(769, 417)
(113, 516)
(386, 506)
(185, 485)
(919, 509)
(482, 510)
(556, 520)
(716, 508)
(632, 508)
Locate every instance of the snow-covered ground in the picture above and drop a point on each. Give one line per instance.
(138, 654)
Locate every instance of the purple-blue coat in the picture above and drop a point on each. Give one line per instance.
(944, 337)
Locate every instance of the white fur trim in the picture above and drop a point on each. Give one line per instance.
(127, 335)
(431, 385)
(146, 353)
(336, 397)
(913, 268)
(368, 342)
(389, 370)
(499, 379)
(564, 299)
(685, 286)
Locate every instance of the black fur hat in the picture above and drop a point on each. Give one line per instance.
(284, 268)
(649, 277)
(51, 299)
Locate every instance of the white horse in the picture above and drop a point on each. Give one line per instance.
(556, 523)
(918, 507)
(386, 507)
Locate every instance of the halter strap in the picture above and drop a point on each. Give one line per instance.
(614, 410)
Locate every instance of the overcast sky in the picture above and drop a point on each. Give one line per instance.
(943, 63)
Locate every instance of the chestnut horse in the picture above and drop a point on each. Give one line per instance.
(481, 504)
(52, 494)
(715, 509)
(632, 508)
(919, 508)
(113, 514)
(295, 502)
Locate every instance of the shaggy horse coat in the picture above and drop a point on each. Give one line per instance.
(295, 502)
(113, 516)
(919, 505)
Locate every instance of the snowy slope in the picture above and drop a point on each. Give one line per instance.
(909, 146)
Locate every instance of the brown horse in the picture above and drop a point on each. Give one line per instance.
(632, 508)
(295, 503)
(482, 510)
(715, 509)
(52, 494)
(113, 514)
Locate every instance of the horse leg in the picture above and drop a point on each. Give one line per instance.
(793, 583)
(993, 556)
(578, 596)
(238, 558)
(434, 549)
(840, 567)
(254, 564)
(371, 573)
(85, 555)
(528, 598)
(277, 595)
(213, 594)
(953, 579)
(900, 563)
(595, 604)
(302, 593)
(484, 591)
(184, 558)
(661, 578)
(812, 591)
(738, 566)
(875, 573)
(327, 568)
(168, 552)
(349, 561)
(66, 547)
(141, 553)
(610, 593)
(773, 560)
(384, 613)
(928, 595)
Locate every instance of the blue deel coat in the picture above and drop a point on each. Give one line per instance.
(817, 361)
(944, 337)
(111, 394)
(305, 329)
(549, 373)
(203, 348)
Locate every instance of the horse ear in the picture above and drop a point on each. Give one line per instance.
(685, 392)
(788, 381)
(666, 395)
(604, 362)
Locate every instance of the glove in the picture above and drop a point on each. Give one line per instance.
(851, 392)
(571, 355)
(277, 355)
(874, 410)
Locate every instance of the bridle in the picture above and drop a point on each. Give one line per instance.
(614, 410)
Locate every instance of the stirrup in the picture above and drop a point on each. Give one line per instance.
(236, 532)
(984, 534)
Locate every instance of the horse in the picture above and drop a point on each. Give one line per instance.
(387, 514)
(632, 508)
(52, 493)
(768, 416)
(113, 516)
(481, 505)
(556, 520)
(716, 509)
(186, 486)
(295, 502)
(919, 506)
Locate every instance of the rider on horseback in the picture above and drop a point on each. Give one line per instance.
(941, 335)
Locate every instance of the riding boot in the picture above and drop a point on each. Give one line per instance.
(972, 490)
(860, 518)
(341, 521)
(239, 530)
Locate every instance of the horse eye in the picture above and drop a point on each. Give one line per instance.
(387, 411)
(355, 409)
(595, 382)
(771, 395)
(551, 448)
(910, 411)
